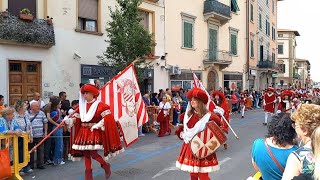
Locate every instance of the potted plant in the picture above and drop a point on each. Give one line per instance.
(25, 14)
(5, 13)
(49, 20)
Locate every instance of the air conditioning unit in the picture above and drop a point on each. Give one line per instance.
(175, 70)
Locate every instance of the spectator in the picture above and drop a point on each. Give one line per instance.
(97, 83)
(74, 105)
(36, 97)
(176, 110)
(55, 115)
(184, 100)
(8, 125)
(315, 139)
(279, 141)
(161, 94)
(306, 119)
(24, 124)
(39, 125)
(1, 103)
(146, 99)
(168, 94)
(65, 104)
(155, 99)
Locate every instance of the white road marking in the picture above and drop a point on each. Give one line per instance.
(174, 168)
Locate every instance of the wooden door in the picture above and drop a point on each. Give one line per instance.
(24, 80)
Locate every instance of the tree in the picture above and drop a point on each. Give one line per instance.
(127, 37)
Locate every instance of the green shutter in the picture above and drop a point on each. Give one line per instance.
(188, 35)
(283, 68)
(213, 44)
(260, 21)
(252, 48)
(234, 6)
(233, 44)
(251, 13)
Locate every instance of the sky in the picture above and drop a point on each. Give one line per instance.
(304, 17)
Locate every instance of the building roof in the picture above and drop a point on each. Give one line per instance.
(302, 60)
(288, 30)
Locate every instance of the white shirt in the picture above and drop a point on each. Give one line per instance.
(166, 107)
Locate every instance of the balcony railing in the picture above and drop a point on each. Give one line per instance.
(217, 57)
(37, 32)
(219, 10)
(268, 65)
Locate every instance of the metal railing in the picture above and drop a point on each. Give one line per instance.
(220, 56)
(16, 166)
(268, 64)
(216, 7)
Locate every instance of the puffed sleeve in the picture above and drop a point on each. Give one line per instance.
(180, 127)
(215, 118)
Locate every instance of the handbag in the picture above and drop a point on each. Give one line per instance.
(5, 169)
(272, 156)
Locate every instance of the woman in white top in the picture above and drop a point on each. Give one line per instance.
(163, 117)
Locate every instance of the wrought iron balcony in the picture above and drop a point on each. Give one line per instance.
(268, 65)
(217, 57)
(37, 32)
(216, 10)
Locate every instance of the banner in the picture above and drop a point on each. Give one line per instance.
(198, 84)
(123, 96)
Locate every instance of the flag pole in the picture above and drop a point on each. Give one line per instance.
(225, 120)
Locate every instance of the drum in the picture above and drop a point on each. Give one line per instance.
(208, 141)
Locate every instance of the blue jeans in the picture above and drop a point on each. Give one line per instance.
(58, 146)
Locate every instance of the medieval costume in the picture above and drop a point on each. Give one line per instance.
(163, 118)
(285, 104)
(269, 101)
(94, 129)
(193, 124)
(222, 103)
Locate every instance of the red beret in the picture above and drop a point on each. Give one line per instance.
(90, 88)
(286, 93)
(220, 94)
(199, 94)
(270, 89)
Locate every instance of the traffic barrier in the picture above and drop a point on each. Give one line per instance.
(16, 166)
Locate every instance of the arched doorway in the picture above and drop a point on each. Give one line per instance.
(212, 80)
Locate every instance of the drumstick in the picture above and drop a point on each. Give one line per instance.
(225, 120)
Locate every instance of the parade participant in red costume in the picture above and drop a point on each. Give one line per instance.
(94, 129)
(269, 101)
(285, 104)
(220, 100)
(195, 121)
(163, 117)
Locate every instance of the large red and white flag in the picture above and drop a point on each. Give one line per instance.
(123, 95)
(198, 84)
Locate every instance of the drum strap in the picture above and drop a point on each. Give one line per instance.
(272, 156)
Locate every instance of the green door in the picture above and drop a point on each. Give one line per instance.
(213, 35)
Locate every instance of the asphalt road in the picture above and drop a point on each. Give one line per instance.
(154, 158)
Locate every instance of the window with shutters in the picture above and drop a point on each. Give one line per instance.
(144, 19)
(251, 12)
(15, 6)
(233, 42)
(252, 46)
(282, 68)
(272, 6)
(188, 32)
(88, 15)
(280, 49)
(260, 21)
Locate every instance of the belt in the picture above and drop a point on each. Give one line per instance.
(88, 124)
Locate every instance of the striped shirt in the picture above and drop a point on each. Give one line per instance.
(38, 123)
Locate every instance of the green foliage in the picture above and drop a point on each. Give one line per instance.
(35, 32)
(126, 37)
(25, 11)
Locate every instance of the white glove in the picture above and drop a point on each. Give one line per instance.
(181, 135)
(218, 110)
(279, 111)
(69, 121)
(98, 125)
